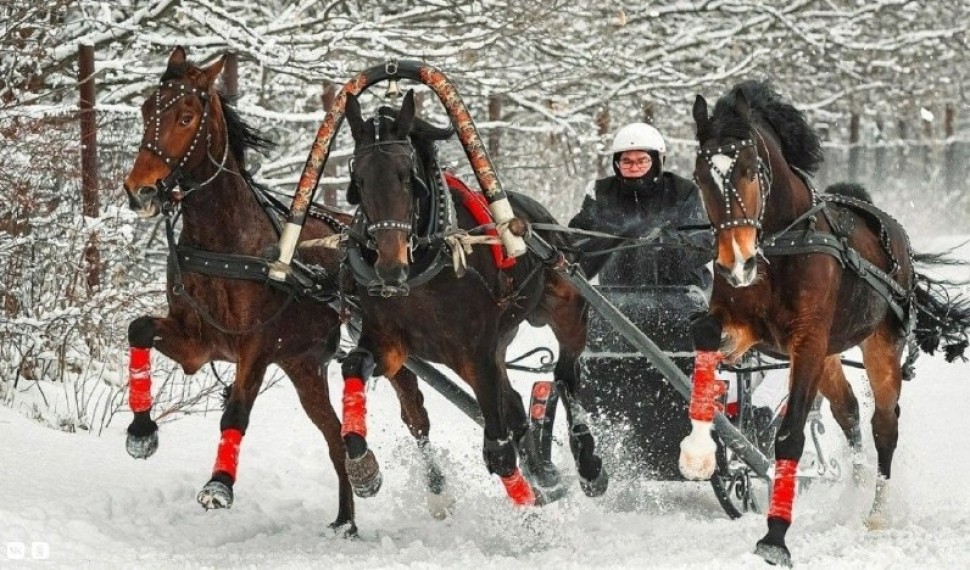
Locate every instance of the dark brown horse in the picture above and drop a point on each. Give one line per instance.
(191, 164)
(806, 276)
(416, 301)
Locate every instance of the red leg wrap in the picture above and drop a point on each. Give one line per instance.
(705, 398)
(355, 408)
(227, 458)
(518, 489)
(783, 492)
(139, 379)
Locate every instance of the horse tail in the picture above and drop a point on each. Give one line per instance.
(942, 317)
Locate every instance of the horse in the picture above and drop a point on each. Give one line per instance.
(191, 162)
(805, 276)
(418, 297)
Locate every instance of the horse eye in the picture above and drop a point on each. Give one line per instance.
(185, 120)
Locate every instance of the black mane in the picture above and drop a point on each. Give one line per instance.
(800, 144)
(241, 136)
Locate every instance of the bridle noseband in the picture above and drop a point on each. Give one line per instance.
(176, 177)
(729, 192)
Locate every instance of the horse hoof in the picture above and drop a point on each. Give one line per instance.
(544, 474)
(364, 474)
(775, 554)
(596, 487)
(346, 529)
(142, 447)
(441, 505)
(697, 461)
(215, 495)
(877, 521)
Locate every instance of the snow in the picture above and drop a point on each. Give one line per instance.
(76, 500)
(81, 502)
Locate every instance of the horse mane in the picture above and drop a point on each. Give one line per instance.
(850, 189)
(240, 134)
(800, 144)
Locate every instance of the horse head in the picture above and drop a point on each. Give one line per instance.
(752, 143)
(734, 183)
(392, 154)
(184, 141)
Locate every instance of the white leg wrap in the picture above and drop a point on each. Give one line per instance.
(697, 461)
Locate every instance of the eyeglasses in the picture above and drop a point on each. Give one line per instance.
(642, 163)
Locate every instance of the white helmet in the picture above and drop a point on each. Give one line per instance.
(639, 136)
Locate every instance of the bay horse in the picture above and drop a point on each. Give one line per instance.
(191, 163)
(417, 298)
(806, 276)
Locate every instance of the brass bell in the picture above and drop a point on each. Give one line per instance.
(393, 90)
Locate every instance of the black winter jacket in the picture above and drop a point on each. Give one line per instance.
(672, 204)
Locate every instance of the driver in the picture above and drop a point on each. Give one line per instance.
(641, 197)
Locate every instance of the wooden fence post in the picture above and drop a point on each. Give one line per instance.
(230, 76)
(494, 134)
(880, 159)
(649, 112)
(602, 129)
(950, 148)
(926, 156)
(330, 170)
(90, 203)
(854, 147)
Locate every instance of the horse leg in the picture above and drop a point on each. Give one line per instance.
(217, 493)
(145, 333)
(310, 380)
(566, 313)
(485, 377)
(881, 354)
(415, 417)
(697, 461)
(362, 467)
(845, 407)
(806, 366)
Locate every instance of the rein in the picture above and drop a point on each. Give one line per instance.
(303, 282)
(178, 288)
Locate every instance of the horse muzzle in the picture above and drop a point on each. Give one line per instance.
(144, 201)
(742, 274)
(392, 281)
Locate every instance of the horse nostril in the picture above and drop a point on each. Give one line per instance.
(751, 264)
(721, 270)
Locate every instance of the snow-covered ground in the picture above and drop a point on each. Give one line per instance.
(78, 501)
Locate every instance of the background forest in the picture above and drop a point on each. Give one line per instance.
(885, 82)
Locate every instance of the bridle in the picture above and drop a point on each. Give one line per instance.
(388, 147)
(167, 187)
(729, 192)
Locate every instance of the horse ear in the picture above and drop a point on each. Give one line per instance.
(212, 72)
(177, 59)
(405, 116)
(354, 119)
(700, 113)
(742, 107)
